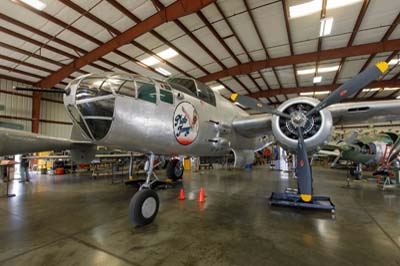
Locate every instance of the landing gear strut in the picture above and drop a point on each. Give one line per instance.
(144, 205)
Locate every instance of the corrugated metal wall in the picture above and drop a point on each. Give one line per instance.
(18, 109)
(15, 105)
(54, 111)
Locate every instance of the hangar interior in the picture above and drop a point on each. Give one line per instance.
(270, 51)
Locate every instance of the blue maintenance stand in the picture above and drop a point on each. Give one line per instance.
(294, 200)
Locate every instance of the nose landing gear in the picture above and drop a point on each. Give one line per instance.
(144, 205)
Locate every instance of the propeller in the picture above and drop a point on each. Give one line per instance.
(299, 118)
(256, 105)
(53, 90)
(352, 86)
(303, 169)
(394, 151)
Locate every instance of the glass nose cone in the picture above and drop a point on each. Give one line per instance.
(93, 110)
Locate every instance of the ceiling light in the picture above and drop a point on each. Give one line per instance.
(314, 93)
(306, 93)
(394, 61)
(217, 88)
(163, 71)
(331, 4)
(305, 9)
(317, 79)
(316, 6)
(326, 26)
(37, 4)
(320, 70)
(321, 92)
(371, 89)
(150, 61)
(306, 71)
(398, 97)
(328, 69)
(166, 54)
(391, 89)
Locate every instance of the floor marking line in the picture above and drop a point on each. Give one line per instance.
(33, 249)
(103, 250)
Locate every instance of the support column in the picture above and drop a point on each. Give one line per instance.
(36, 111)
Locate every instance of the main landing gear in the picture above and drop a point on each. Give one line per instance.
(144, 205)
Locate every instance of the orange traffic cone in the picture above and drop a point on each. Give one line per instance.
(182, 194)
(201, 195)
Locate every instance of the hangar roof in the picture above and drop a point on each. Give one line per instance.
(270, 49)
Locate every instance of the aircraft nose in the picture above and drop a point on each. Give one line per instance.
(91, 105)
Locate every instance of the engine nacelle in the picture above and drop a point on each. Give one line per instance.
(378, 149)
(317, 129)
(243, 157)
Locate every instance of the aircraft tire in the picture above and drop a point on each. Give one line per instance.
(357, 175)
(175, 169)
(143, 207)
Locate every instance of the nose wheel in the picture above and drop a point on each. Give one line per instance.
(143, 207)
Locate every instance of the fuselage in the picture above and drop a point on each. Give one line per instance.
(136, 113)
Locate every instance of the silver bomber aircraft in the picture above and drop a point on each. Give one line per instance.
(183, 117)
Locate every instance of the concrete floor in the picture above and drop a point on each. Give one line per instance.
(78, 221)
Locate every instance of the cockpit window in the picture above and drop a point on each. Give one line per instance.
(184, 85)
(206, 94)
(127, 88)
(100, 108)
(166, 94)
(93, 87)
(194, 88)
(78, 119)
(182, 89)
(146, 91)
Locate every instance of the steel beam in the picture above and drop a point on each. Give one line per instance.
(115, 31)
(248, 10)
(236, 36)
(160, 6)
(271, 93)
(356, 50)
(223, 43)
(384, 38)
(177, 9)
(353, 36)
(77, 49)
(289, 36)
(36, 111)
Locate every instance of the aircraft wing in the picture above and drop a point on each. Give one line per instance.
(253, 125)
(17, 142)
(365, 112)
(342, 114)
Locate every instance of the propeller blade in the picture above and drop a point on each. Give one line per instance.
(352, 86)
(256, 105)
(394, 151)
(303, 170)
(53, 90)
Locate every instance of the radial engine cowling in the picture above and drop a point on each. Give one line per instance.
(317, 128)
